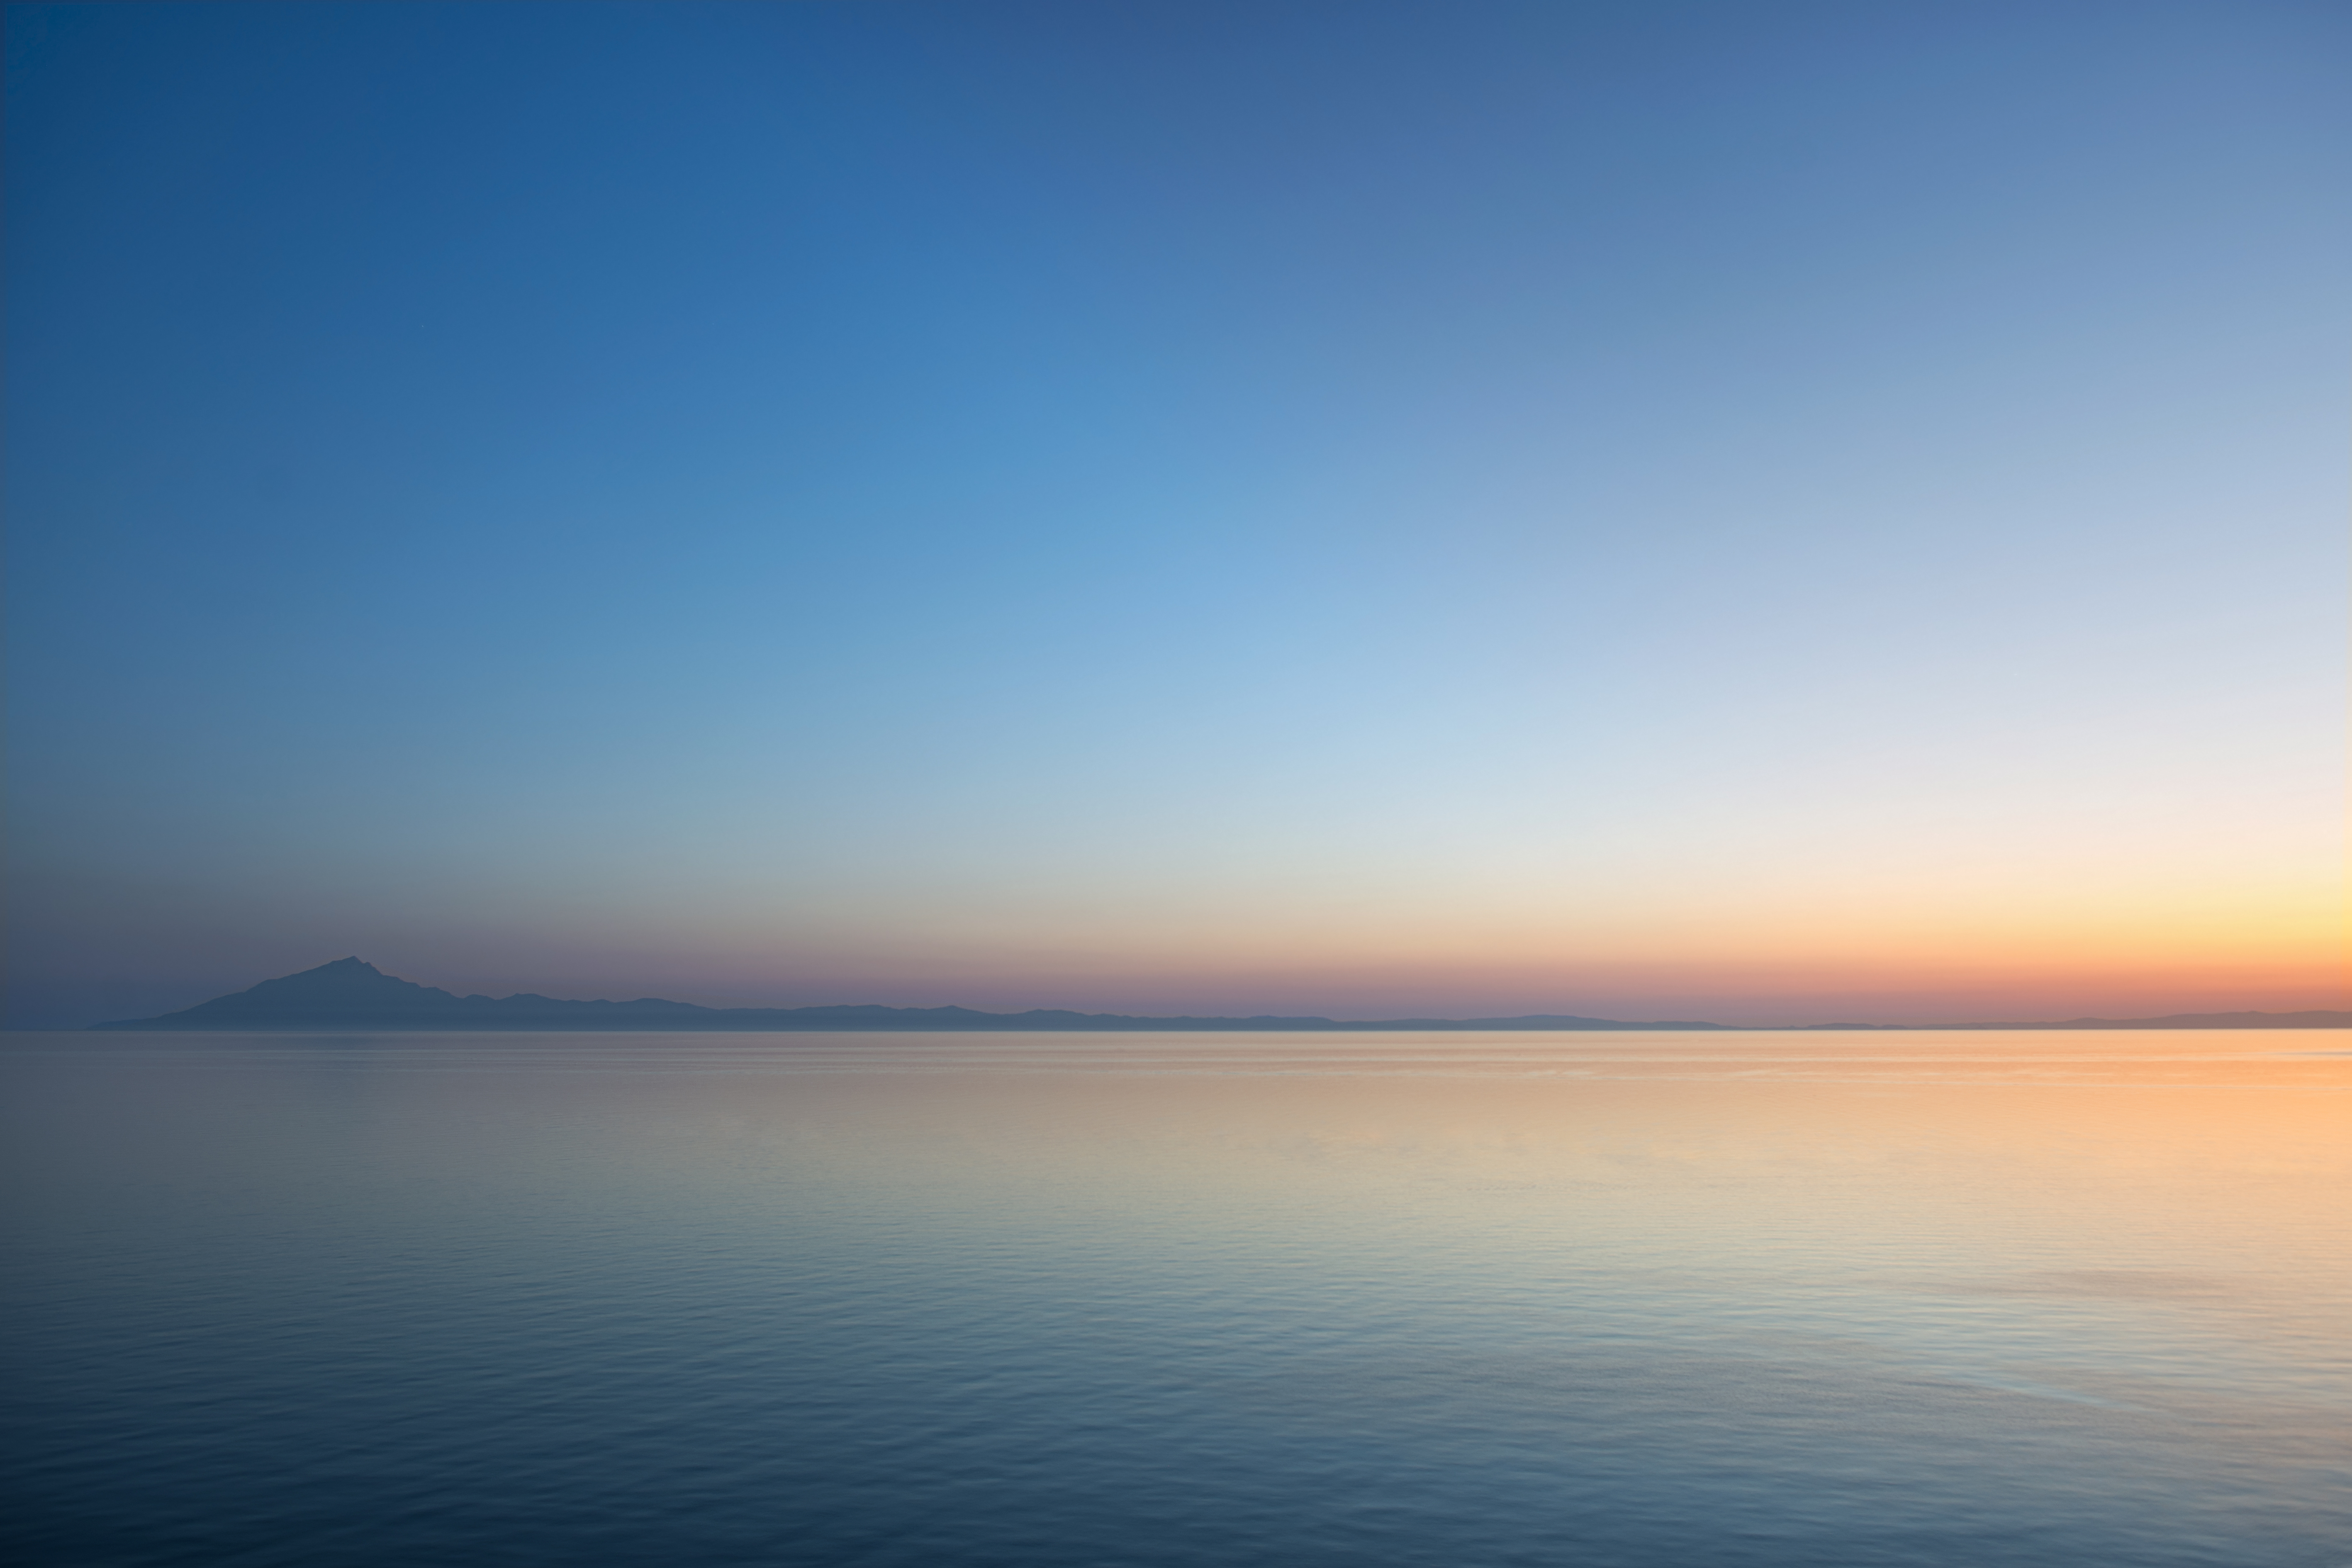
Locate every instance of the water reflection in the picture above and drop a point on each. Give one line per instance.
(1640, 1300)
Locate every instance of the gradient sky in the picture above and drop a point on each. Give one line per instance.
(1755, 512)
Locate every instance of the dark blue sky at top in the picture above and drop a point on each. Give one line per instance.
(781, 466)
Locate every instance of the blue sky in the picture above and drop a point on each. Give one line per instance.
(1337, 508)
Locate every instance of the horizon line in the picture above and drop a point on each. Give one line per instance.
(392, 996)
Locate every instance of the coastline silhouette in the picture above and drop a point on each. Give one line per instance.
(350, 993)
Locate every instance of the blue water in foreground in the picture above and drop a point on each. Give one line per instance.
(1599, 1300)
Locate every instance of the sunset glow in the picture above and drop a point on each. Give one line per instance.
(1820, 512)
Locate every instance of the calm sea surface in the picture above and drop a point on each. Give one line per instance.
(1601, 1300)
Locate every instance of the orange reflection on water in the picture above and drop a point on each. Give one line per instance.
(2115, 1259)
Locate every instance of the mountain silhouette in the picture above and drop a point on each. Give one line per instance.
(350, 994)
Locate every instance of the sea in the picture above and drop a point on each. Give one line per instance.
(1933, 1299)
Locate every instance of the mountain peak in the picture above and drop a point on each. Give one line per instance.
(329, 989)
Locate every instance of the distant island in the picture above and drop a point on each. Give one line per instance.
(350, 995)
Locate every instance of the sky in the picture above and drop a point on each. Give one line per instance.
(1759, 513)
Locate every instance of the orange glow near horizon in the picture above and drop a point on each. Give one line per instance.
(1894, 972)
(2070, 953)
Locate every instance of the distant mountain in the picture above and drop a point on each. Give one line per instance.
(348, 994)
